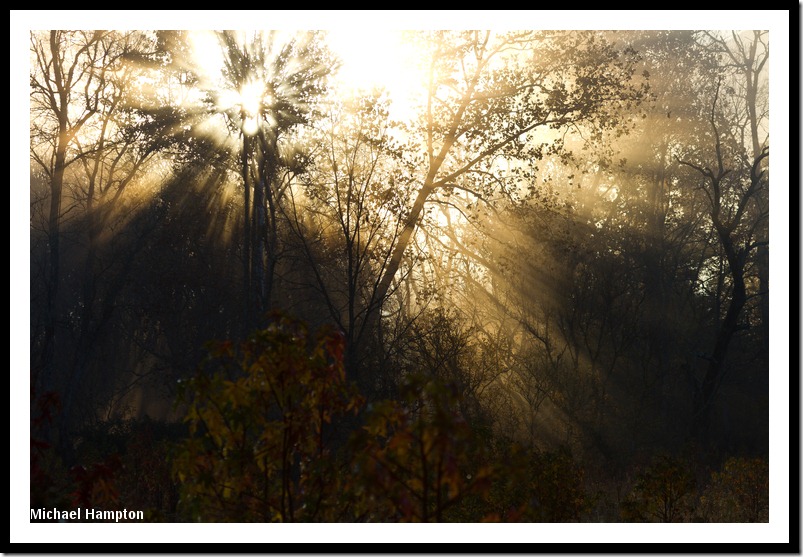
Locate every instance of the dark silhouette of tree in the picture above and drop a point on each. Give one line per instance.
(732, 186)
(68, 79)
(93, 149)
(279, 81)
(346, 216)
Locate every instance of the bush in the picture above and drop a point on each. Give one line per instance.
(663, 493)
(739, 493)
(258, 417)
(416, 459)
(533, 486)
(50, 483)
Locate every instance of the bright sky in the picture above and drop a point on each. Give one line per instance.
(371, 57)
(375, 57)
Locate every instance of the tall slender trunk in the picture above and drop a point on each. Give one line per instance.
(54, 220)
(402, 243)
(435, 162)
(271, 245)
(726, 219)
(258, 253)
(246, 238)
(763, 262)
(45, 370)
(725, 334)
(657, 303)
(267, 232)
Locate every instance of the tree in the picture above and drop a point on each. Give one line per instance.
(346, 215)
(663, 493)
(732, 185)
(416, 460)
(737, 493)
(744, 57)
(619, 312)
(616, 293)
(261, 445)
(68, 77)
(93, 148)
(489, 95)
(274, 83)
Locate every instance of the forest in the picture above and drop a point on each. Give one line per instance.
(485, 276)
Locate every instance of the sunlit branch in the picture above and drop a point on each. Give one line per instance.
(452, 205)
(461, 248)
(493, 149)
(503, 189)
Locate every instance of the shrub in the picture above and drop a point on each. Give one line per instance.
(533, 486)
(663, 493)
(738, 493)
(258, 417)
(416, 459)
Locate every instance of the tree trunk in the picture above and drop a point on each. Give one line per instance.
(727, 330)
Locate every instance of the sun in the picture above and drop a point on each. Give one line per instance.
(250, 101)
(370, 59)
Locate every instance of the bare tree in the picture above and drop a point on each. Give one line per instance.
(94, 147)
(68, 78)
(347, 214)
(733, 185)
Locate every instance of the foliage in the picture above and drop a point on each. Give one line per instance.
(416, 458)
(96, 484)
(536, 486)
(130, 467)
(259, 420)
(147, 482)
(49, 481)
(266, 423)
(738, 493)
(663, 493)
(120, 464)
